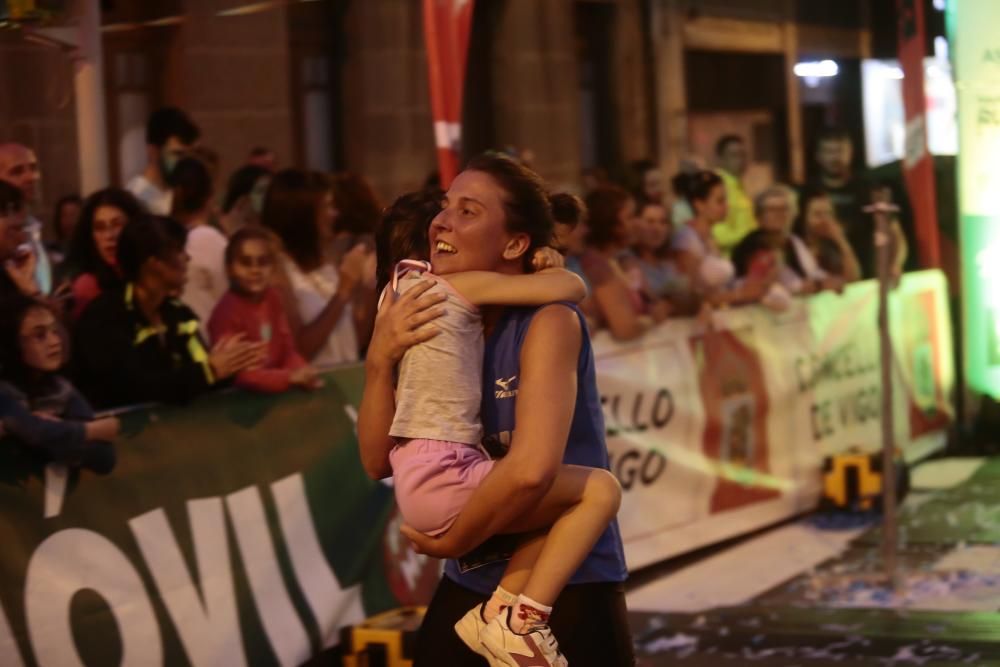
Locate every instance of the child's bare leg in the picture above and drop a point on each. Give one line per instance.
(578, 506)
(515, 576)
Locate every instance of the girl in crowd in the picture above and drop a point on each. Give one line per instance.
(825, 238)
(538, 363)
(317, 295)
(32, 352)
(252, 308)
(206, 245)
(699, 258)
(138, 343)
(618, 294)
(94, 247)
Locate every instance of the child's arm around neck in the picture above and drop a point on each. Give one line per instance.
(533, 289)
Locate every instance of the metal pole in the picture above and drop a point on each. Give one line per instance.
(885, 251)
(88, 81)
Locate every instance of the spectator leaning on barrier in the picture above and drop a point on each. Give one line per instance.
(662, 278)
(32, 351)
(252, 308)
(823, 234)
(621, 306)
(139, 343)
(93, 250)
(800, 273)
(731, 153)
(318, 296)
(16, 420)
(170, 135)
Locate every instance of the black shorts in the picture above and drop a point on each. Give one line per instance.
(589, 621)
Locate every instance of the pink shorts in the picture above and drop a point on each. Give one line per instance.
(434, 479)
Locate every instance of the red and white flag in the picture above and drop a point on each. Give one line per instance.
(446, 30)
(918, 166)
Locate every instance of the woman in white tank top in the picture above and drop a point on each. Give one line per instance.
(299, 208)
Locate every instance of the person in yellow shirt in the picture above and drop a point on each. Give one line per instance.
(731, 152)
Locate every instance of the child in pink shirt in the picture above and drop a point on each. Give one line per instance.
(252, 310)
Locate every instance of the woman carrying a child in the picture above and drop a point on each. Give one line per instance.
(538, 371)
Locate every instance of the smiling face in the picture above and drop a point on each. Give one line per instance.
(41, 342)
(106, 228)
(253, 267)
(470, 234)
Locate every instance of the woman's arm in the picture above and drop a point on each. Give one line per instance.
(546, 401)
(399, 325)
(310, 337)
(532, 289)
(615, 305)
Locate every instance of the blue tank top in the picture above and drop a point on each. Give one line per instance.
(585, 447)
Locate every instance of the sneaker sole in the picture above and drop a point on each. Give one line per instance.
(468, 631)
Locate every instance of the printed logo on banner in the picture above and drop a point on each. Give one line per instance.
(412, 577)
(734, 392)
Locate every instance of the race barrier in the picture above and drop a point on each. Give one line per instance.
(242, 529)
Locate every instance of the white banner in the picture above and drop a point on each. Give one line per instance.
(714, 432)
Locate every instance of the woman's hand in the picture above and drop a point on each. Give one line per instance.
(353, 270)
(21, 271)
(442, 546)
(404, 322)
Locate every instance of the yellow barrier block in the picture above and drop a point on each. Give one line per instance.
(385, 640)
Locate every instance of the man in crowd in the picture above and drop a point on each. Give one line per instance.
(731, 154)
(170, 135)
(19, 167)
(851, 193)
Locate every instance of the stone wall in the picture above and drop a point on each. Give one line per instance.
(37, 109)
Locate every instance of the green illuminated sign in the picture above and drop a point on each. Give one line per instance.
(976, 48)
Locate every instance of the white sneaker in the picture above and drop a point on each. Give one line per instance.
(537, 648)
(468, 629)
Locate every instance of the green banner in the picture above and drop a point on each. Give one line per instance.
(242, 529)
(976, 48)
(238, 530)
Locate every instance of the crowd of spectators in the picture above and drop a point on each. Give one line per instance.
(166, 289)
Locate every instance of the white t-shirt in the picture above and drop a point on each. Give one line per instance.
(156, 200)
(206, 279)
(312, 292)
